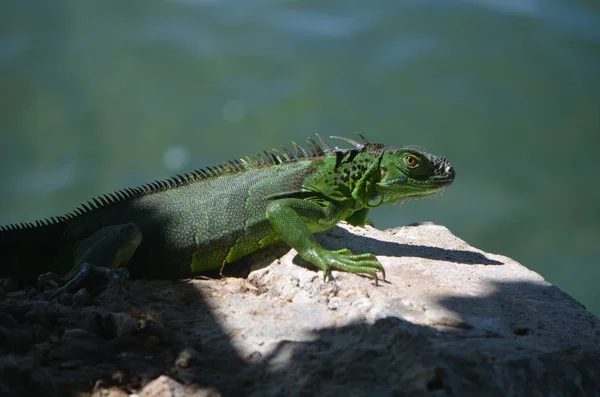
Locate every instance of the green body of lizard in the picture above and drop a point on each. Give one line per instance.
(207, 218)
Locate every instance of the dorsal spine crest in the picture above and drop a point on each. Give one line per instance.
(265, 159)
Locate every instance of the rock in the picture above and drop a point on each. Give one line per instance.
(8, 321)
(124, 324)
(165, 386)
(65, 298)
(109, 392)
(82, 297)
(110, 325)
(455, 312)
(187, 357)
(77, 333)
(450, 320)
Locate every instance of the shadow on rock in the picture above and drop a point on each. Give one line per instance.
(379, 247)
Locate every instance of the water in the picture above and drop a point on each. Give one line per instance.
(105, 95)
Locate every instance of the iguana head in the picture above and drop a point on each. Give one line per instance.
(372, 174)
(408, 171)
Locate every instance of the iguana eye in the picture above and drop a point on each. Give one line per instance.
(411, 161)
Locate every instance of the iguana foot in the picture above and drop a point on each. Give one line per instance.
(344, 260)
(120, 274)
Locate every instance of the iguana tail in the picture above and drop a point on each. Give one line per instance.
(26, 250)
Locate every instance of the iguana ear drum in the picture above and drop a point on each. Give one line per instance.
(375, 200)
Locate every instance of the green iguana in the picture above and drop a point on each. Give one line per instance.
(207, 218)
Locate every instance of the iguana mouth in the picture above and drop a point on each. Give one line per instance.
(445, 181)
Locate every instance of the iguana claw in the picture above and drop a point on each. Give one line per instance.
(344, 260)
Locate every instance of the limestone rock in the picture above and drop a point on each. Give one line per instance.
(450, 320)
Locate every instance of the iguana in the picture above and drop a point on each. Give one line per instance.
(210, 217)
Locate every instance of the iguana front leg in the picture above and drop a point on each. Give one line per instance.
(296, 219)
(360, 218)
(107, 252)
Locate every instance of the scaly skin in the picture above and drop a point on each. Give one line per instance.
(208, 218)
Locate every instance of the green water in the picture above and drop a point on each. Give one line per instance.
(96, 96)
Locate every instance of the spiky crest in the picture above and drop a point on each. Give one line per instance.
(365, 146)
(265, 159)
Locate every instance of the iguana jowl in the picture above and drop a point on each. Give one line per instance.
(207, 218)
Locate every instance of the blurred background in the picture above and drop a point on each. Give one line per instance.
(96, 96)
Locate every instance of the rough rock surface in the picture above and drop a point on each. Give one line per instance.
(450, 320)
